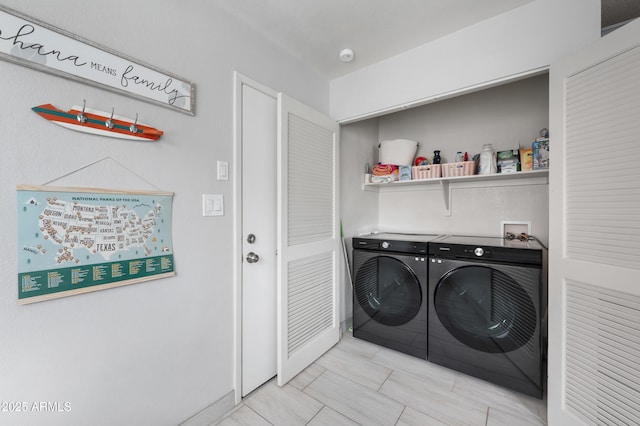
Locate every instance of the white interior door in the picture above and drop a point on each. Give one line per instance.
(594, 280)
(259, 124)
(308, 237)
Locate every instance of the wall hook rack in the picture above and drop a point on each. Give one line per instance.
(82, 118)
(109, 123)
(87, 120)
(133, 128)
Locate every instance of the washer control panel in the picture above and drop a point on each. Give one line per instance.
(383, 243)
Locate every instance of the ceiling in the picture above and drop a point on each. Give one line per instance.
(317, 30)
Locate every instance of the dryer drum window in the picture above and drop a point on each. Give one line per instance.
(485, 309)
(388, 291)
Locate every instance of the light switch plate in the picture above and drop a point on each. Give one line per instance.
(223, 170)
(212, 205)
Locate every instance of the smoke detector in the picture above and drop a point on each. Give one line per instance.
(346, 55)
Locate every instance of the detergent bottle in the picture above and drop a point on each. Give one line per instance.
(487, 160)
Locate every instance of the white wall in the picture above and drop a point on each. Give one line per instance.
(153, 353)
(507, 116)
(358, 146)
(523, 39)
(359, 209)
(477, 209)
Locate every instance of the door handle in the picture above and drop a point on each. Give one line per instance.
(252, 257)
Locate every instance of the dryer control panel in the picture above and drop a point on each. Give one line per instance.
(486, 248)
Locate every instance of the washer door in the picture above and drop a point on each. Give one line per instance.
(485, 309)
(388, 290)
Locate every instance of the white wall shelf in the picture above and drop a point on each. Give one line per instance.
(535, 177)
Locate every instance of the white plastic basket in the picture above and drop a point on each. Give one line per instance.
(399, 152)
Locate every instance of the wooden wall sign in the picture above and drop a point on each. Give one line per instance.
(35, 44)
(77, 240)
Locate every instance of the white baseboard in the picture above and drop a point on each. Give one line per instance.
(213, 412)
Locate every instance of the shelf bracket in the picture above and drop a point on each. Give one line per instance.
(446, 196)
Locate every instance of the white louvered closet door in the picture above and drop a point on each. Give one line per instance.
(594, 263)
(308, 237)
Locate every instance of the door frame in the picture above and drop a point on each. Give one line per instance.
(238, 81)
(563, 267)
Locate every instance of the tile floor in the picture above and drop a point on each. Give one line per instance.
(359, 383)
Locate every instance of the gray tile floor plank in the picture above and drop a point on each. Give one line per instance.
(358, 346)
(354, 367)
(499, 417)
(284, 405)
(438, 403)
(502, 398)
(307, 376)
(355, 401)
(358, 382)
(244, 416)
(438, 376)
(328, 416)
(411, 417)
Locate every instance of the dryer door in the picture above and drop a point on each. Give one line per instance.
(388, 290)
(486, 308)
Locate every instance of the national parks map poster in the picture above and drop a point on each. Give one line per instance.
(76, 240)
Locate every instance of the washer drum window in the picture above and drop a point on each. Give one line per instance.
(388, 291)
(485, 309)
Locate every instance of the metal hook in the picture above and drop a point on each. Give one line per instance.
(109, 122)
(82, 118)
(133, 128)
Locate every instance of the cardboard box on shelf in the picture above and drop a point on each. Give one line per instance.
(540, 154)
(404, 173)
(526, 159)
(508, 161)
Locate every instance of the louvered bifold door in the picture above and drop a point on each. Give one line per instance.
(594, 281)
(308, 237)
